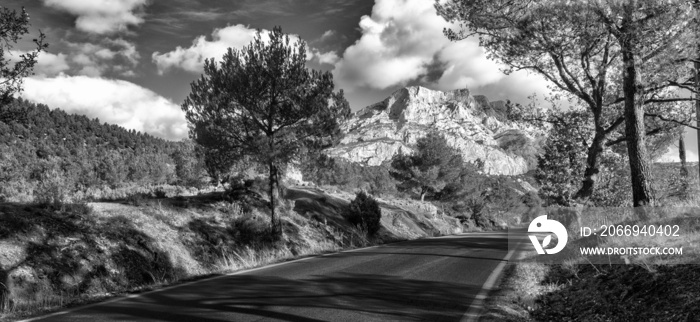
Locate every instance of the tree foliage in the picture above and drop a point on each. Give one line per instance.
(14, 65)
(262, 102)
(51, 149)
(365, 213)
(348, 175)
(433, 165)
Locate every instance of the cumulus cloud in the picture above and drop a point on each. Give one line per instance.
(47, 64)
(116, 55)
(466, 66)
(113, 101)
(402, 41)
(328, 58)
(101, 16)
(191, 59)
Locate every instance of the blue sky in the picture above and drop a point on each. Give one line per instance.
(130, 62)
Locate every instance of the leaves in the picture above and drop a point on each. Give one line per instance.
(430, 168)
(262, 101)
(13, 25)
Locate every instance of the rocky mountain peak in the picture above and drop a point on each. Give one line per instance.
(469, 122)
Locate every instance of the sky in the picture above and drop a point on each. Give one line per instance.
(131, 62)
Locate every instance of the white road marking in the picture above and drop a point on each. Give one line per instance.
(477, 305)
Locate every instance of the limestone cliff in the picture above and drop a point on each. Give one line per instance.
(471, 124)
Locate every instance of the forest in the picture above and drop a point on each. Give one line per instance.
(49, 156)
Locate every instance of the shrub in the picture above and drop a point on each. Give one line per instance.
(17, 190)
(253, 229)
(476, 204)
(53, 189)
(364, 212)
(531, 199)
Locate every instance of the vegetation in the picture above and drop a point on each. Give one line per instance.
(53, 156)
(262, 102)
(364, 213)
(260, 110)
(349, 176)
(579, 55)
(60, 256)
(433, 165)
(15, 65)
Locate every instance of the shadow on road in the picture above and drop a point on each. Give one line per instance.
(498, 243)
(241, 298)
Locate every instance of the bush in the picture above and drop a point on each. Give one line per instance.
(252, 229)
(364, 212)
(53, 189)
(476, 204)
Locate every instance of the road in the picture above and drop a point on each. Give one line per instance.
(434, 279)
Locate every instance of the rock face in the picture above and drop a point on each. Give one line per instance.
(471, 124)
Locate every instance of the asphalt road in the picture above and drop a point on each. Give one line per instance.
(427, 280)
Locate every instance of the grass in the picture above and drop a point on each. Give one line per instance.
(614, 288)
(518, 293)
(52, 257)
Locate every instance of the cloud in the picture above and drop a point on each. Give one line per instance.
(112, 101)
(191, 59)
(117, 55)
(328, 34)
(402, 41)
(466, 66)
(328, 58)
(101, 16)
(47, 64)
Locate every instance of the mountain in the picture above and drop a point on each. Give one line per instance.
(479, 129)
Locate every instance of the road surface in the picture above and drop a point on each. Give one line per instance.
(434, 279)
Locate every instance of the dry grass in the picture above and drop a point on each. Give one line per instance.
(647, 287)
(515, 299)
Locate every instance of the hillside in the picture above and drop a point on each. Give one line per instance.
(80, 156)
(479, 129)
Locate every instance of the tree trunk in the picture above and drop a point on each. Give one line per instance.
(697, 78)
(422, 194)
(642, 194)
(697, 97)
(274, 185)
(592, 164)
(681, 155)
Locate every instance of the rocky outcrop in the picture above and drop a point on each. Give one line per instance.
(471, 124)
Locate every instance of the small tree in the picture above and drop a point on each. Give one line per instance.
(189, 166)
(430, 168)
(364, 212)
(263, 103)
(13, 25)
